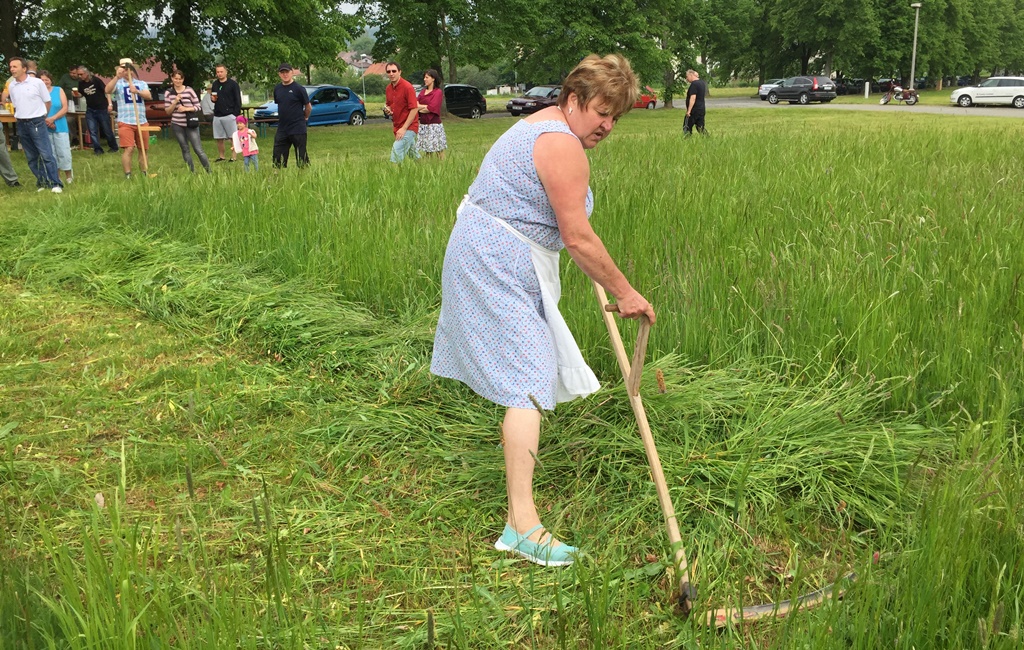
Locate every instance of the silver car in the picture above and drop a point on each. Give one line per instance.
(762, 90)
(1006, 91)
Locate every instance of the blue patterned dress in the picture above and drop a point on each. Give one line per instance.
(491, 334)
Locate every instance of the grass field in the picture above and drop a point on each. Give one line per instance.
(217, 427)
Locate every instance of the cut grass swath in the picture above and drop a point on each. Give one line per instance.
(721, 617)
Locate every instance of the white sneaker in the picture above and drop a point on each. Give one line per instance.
(56, 189)
(40, 189)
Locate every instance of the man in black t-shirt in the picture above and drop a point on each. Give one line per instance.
(68, 82)
(293, 109)
(227, 105)
(694, 103)
(97, 109)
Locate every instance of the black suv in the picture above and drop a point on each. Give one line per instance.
(464, 101)
(803, 90)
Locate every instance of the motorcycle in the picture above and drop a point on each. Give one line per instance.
(900, 95)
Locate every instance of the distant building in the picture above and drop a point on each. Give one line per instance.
(357, 63)
(151, 72)
(375, 69)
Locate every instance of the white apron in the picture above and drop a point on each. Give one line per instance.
(575, 378)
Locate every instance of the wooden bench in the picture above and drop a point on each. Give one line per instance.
(261, 124)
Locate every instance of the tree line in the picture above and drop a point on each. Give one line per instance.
(722, 38)
(541, 40)
(251, 38)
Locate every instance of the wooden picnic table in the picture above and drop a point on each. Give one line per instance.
(12, 139)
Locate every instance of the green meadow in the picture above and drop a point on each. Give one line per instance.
(218, 427)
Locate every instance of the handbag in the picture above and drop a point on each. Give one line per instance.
(191, 118)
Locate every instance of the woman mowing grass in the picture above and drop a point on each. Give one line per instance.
(500, 331)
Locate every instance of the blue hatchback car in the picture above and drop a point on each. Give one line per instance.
(331, 105)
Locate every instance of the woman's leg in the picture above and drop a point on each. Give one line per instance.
(521, 433)
(197, 146)
(182, 138)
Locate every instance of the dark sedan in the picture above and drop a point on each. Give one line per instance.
(465, 101)
(803, 90)
(534, 100)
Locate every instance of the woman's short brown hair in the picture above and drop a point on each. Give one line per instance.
(609, 79)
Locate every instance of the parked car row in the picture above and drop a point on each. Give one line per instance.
(855, 85)
(341, 105)
(540, 97)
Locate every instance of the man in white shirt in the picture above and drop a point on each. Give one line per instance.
(31, 102)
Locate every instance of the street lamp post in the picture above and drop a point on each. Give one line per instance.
(916, 6)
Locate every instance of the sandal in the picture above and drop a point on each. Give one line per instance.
(539, 553)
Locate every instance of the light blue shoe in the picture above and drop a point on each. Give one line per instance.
(542, 554)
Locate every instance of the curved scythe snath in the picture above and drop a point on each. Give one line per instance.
(687, 595)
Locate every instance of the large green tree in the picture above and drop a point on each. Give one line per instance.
(19, 28)
(562, 33)
(543, 38)
(445, 34)
(250, 37)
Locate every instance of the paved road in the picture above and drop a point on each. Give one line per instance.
(748, 102)
(753, 102)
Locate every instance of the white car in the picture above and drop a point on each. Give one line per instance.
(1008, 91)
(762, 90)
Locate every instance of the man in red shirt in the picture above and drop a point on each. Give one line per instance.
(400, 104)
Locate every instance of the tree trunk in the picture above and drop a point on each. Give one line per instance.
(8, 34)
(448, 50)
(182, 26)
(668, 77)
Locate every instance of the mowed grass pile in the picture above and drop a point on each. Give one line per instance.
(278, 468)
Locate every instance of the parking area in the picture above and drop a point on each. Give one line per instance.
(754, 102)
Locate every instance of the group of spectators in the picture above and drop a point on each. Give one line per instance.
(41, 105)
(416, 119)
(184, 106)
(42, 128)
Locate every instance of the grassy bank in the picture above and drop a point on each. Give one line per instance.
(191, 470)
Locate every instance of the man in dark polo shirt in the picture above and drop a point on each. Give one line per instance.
(97, 109)
(293, 109)
(694, 104)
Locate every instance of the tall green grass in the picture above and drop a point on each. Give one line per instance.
(881, 245)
